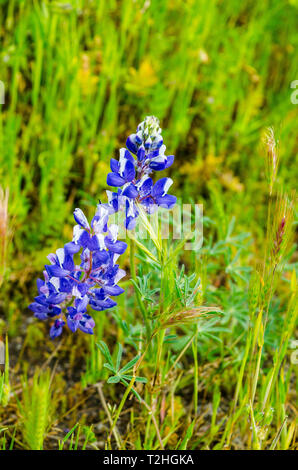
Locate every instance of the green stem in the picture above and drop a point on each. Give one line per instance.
(139, 299)
(126, 393)
(196, 370)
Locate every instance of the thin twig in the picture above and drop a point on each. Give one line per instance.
(105, 407)
(154, 422)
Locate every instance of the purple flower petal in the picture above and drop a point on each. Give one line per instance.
(113, 179)
(80, 218)
(113, 290)
(57, 328)
(116, 247)
(144, 186)
(161, 187)
(131, 144)
(71, 248)
(130, 191)
(170, 161)
(157, 165)
(166, 201)
(68, 263)
(114, 165)
(141, 154)
(129, 171)
(55, 271)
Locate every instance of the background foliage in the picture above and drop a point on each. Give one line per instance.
(78, 78)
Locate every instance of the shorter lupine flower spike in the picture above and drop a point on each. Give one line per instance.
(132, 174)
(69, 288)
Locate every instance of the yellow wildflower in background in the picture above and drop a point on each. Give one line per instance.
(230, 181)
(142, 79)
(86, 78)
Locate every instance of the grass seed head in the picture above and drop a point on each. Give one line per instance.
(282, 228)
(272, 156)
(190, 315)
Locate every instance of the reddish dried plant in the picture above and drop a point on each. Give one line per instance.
(282, 228)
(189, 315)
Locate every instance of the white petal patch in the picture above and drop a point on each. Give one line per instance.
(161, 156)
(162, 149)
(140, 183)
(122, 161)
(167, 185)
(55, 281)
(131, 211)
(81, 217)
(60, 255)
(159, 159)
(139, 135)
(77, 232)
(110, 195)
(115, 257)
(113, 232)
(100, 237)
(52, 258)
(102, 211)
(76, 292)
(120, 274)
(103, 214)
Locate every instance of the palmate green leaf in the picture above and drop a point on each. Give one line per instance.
(119, 375)
(119, 356)
(114, 379)
(179, 293)
(111, 368)
(142, 380)
(130, 364)
(105, 351)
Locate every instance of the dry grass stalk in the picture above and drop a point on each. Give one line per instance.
(5, 232)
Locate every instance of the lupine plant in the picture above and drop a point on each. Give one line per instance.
(85, 271)
(68, 288)
(76, 77)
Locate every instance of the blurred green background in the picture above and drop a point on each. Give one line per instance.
(79, 76)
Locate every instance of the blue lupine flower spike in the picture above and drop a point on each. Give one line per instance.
(68, 288)
(145, 154)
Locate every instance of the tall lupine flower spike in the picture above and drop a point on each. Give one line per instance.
(68, 288)
(145, 154)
